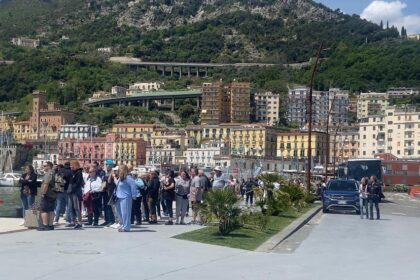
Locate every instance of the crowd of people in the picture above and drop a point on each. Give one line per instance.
(121, 196)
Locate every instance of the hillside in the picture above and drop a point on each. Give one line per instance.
(361, 55)
(276, 31)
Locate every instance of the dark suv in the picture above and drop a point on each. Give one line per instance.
(341, 195)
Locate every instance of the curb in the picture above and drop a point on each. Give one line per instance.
(15, 231)
(275, 240)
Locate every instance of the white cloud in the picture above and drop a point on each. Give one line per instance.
(392, 12)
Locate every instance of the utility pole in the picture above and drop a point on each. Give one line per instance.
(328, 135)
(311, 85)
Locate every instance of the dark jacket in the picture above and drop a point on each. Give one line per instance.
(374, 191)
(66, 174)
(76, 183)
(31, 183)
(169, 194)
(110, 184)
(153, 188)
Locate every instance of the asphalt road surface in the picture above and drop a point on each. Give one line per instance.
(336, 246)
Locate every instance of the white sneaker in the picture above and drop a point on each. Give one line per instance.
(56, 223)
(22, 223)
(116, 226)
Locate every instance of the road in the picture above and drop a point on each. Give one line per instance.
(337, 246)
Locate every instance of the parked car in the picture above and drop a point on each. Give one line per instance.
(341, 194)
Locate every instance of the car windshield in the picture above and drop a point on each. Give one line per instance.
(342, 186)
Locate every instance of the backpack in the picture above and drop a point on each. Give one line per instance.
(59, 183)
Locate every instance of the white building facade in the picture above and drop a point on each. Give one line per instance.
(397, 131)
(209, 154)
(78, 131)
(371, 103)
(267, 107)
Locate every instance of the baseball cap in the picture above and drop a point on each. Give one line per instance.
(109, 162)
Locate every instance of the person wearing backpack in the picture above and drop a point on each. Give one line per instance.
(136, 207)
(48, 197)
(61, 200)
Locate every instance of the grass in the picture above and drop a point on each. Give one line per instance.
(245, 237)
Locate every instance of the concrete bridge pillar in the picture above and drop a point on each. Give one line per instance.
(206, 72)
(189, 71)
(172, 71)
(180, 72)
(147, 104)
(163, 70)
(198, 102)
(173, 104)
(198, 71)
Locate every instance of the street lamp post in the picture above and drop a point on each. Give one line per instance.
(328, 135)
(308, 171)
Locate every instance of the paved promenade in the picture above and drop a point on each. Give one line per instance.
(339, 246)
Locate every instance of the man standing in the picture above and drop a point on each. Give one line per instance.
(219, 180)
(205, 183)
(48, 197)
(374, 193)
(196, 195)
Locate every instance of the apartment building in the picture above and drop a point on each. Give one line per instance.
(223, 103)
(78, 131)
(332, 106)
(294, 145)
(371, 103)
(397, 132)
(267, 107)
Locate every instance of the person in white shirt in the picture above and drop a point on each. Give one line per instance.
(219, 180)
(92, 197)
(196, 195)
(363, 197)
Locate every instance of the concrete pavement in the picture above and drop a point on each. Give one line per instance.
(9, 225)
(339, 246)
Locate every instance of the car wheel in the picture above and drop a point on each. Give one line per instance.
(325, 210)
(358, 212)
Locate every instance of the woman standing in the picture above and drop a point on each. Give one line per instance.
(363, 197)
(182, 190)
(169, 195)
(28, 188)
(126, 192)
(75, 193)
(92, 192)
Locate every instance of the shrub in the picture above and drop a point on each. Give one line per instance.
(397, 188)
(258, 221)
(296, 193)
(310, 197)
(222, 205)
(278, 203)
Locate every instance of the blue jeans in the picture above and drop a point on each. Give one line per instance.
(27, 202)
(108, 213)
(61, 205)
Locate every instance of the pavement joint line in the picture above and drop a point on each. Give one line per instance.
(16, 231)
(195, 265)
(283, 235)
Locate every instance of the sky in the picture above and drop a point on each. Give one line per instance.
(398, 12)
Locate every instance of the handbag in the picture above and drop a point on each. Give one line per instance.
(113, 199)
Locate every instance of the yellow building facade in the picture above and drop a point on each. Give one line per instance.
(294, 144)
(135, 130)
